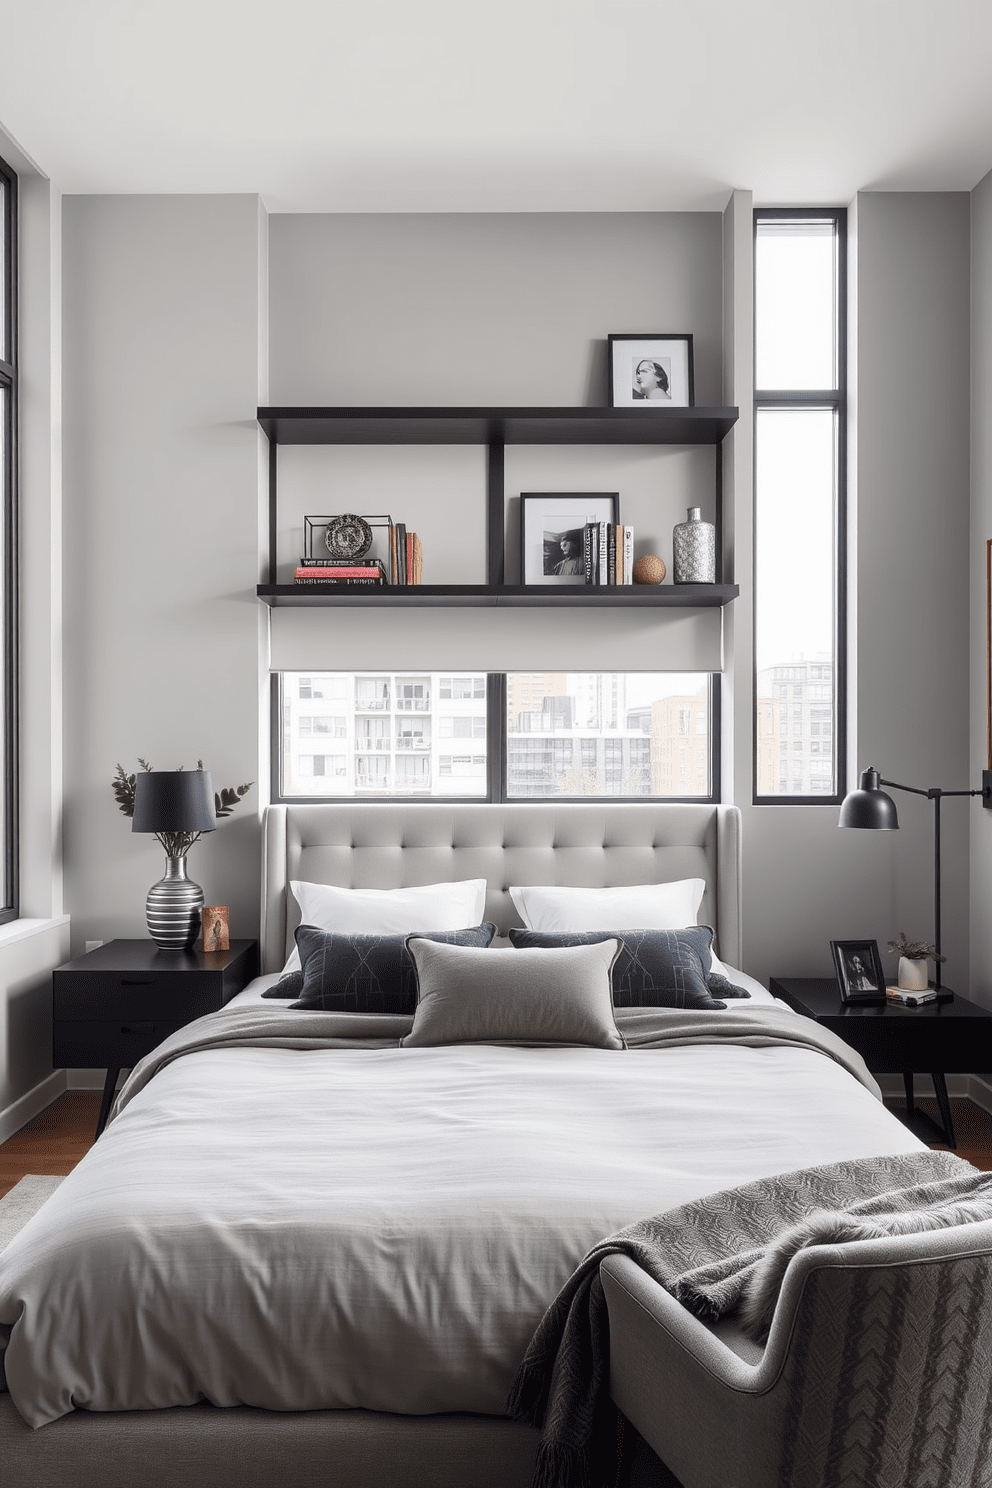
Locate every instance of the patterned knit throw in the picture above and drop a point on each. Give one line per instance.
(705, 1254)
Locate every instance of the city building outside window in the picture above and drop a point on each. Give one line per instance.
(556, 735)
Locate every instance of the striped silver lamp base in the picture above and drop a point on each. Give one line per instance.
(174, 908)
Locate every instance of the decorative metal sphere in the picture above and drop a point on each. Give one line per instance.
(649, 569)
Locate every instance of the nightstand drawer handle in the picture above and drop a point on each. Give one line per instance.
(137, 982)
(137, 1028)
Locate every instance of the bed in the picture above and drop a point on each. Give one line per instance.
(386, 1224)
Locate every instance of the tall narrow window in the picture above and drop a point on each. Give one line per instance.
(800, 435)
(8, 507)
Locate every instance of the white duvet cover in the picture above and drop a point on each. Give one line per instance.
(311, 1227)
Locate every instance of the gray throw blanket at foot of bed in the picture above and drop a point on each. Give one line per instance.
(719, 1254)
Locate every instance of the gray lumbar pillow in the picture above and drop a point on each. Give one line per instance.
(471, 996)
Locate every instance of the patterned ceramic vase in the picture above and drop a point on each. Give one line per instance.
(174, 908)
(694, 550)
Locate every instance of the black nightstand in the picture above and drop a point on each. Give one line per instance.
(112, 1006)
(942, 1038)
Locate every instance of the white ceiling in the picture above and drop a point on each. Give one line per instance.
(501, 105)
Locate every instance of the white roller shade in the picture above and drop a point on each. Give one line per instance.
(495, 640)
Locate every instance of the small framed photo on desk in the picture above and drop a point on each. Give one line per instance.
(859, 970)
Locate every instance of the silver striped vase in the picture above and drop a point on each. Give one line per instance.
(174, 908)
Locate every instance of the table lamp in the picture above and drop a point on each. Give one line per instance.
(175, 806)
(871, 808)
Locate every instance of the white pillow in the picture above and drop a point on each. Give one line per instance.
(662, 906)
(440, 906)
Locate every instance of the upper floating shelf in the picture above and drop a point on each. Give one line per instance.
(497, 425)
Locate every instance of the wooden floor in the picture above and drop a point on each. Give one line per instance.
(55, 1141)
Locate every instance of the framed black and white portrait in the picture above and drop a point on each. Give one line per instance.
(651, 371)
(553, 544)
(859, 970)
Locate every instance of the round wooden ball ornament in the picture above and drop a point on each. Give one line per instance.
(649, 569)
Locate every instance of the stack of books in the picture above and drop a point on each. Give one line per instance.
(406, 559)
(608, 553)
(910, 999)
(341, 573)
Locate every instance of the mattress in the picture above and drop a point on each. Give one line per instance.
(326, 1227)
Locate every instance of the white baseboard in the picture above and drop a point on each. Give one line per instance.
(980, 1092)
(14, 1116)
(91, 1079)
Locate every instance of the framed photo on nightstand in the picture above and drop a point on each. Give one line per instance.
(859, 970)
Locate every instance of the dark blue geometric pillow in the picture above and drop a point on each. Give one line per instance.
(367, 973)
(653, 968)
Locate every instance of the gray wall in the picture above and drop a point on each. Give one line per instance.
(161, 349)
(981, 531)
(163, 336)
(482, 309)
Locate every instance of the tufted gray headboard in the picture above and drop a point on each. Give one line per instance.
(382, 845)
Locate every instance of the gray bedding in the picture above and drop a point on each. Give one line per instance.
(289, 1211)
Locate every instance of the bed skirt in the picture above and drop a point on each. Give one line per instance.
(202, 1447)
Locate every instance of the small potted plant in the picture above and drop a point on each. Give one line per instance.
(913, 957)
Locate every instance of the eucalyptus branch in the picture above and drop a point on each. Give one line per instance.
(176, 844)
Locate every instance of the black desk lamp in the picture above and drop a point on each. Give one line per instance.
(871, 808)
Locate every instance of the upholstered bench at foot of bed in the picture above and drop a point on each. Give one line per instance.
(875, 1371)
(200, 1447)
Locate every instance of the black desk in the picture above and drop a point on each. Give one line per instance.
(941, 1038)
(114, 1005)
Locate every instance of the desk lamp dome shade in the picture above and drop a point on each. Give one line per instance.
(175, 805)
(869, 806)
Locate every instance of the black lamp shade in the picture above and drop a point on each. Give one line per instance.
(869, 806)
(173, 801)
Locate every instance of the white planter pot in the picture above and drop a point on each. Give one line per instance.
(912, 974)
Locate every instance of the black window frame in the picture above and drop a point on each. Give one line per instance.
(496, 753)
(836, 400)
(9, 896)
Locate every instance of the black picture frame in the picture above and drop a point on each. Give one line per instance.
(555, 515)
(858, 967)
(672, 385)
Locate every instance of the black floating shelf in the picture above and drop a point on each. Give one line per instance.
(513, 596)
(496, 425)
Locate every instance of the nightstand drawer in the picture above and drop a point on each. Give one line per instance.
(98, 1044)
(176, 996)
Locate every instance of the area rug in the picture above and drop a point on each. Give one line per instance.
(22, 1202)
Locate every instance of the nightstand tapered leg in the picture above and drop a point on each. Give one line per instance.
(944, 1107)
(109, 1086)
(907, 1080)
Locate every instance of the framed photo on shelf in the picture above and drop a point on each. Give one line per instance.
(651, 371)
(552, 533)
(859, 970)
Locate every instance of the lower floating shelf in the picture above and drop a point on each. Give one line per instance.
(517, 596)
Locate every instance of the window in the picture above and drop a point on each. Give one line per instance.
(461, 688)
(799, 547)
(523, 736)
(323, 723)
(8, 544)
